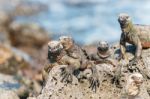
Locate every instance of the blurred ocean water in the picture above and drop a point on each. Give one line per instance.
(89, 21)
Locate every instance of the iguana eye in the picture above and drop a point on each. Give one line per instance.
(132, 77)
(127, 17)
(57, 47)
(65, 39)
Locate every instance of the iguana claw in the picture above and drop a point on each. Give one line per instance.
(95, 79)
(67, 74)
(94, 82)
(133, 62)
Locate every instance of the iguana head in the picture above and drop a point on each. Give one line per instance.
(137, 78)
(103, 46)
(103, 49)
(124, 18)
(66, 41)
(54, 47)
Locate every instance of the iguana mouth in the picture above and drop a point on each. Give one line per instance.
(123, 18)
(54, 50)
(122, 21)
(102, 49)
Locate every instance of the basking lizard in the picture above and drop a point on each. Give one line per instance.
(75, 52)
(138, 35)
(103, 56)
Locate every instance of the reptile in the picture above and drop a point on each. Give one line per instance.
(75, 52)
(54, 51)
(135, 34)
(103, 56)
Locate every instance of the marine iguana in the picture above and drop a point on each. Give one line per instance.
(54, 51)
(103, 56)
(75, 52)
(138, 35)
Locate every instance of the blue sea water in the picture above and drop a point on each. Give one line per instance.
(89, 21)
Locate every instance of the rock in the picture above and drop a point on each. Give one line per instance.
(18, 63)
(21, 85)
(31, 98)
(10, 83)
(4, 38)
(5, 19)
(8, 95)
(5, 53)
(31, 35)
(54, 88)
(11, 60)
(23, 7)
(133, 85)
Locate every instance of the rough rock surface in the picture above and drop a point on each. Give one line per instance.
(29, 34)
(11, 60)
(8, 95)
(55, 89)
(10, 83)
(17, 63)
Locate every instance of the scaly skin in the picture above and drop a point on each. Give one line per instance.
(73, 50)
(77, 54)
(138, 35)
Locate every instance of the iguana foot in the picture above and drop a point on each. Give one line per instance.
(94, 82)
(132, 65)
(148, 91)
(116, 81)
(133, 62)
(67, 74)
(94, 79)
(119, 57)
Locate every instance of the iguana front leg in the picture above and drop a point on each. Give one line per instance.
(46, 71)
(137, 43)
(73, 65)
(67, 74)
(138, 49)
(117, 75)
(94, 80)
(123, 47)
